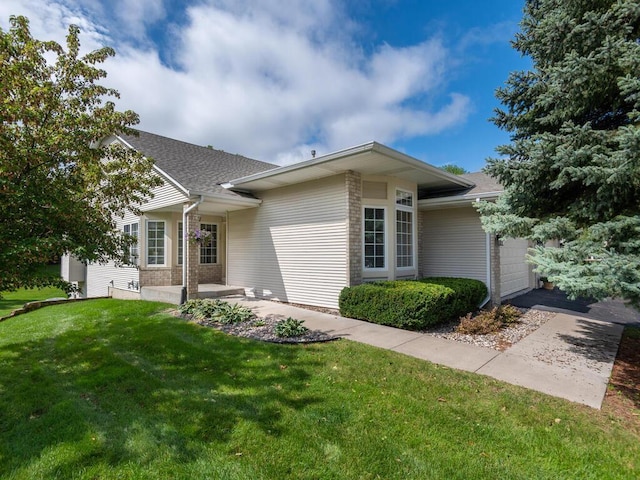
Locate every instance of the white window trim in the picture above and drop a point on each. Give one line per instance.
(217, 262)
(146, 253)
(414, 229)
(131, 224)
(386, 240)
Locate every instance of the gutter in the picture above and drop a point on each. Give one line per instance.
(185, 247)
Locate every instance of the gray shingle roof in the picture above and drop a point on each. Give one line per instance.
(200, 170)
(484, 183)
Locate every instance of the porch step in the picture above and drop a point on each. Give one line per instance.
(172, 294)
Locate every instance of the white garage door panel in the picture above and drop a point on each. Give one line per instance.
(514, 270)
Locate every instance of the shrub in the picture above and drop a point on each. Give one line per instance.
(489, 321)
(206, 308)
(290, 328)
(189, 306)
(216, 310)
(228, 313)
(412, 304)
(509, 314)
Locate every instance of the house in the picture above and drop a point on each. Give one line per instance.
(302, 232)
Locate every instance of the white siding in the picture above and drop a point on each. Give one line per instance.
(453, 244)
(294, 246)
(99, 277)
(72, 270)
(165, 195)
(515, 273)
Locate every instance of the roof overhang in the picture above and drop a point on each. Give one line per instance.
(211, 204)
(456, 200)
(368, 159)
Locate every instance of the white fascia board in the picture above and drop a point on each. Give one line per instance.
(162, 173)
(366, 147)
(300, 165)
(249, 202)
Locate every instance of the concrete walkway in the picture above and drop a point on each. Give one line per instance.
(569, 357)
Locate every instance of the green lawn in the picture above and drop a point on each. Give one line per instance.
(110, 389)
(13, 300)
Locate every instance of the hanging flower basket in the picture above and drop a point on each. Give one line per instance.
(199, 237)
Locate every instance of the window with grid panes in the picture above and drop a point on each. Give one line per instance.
(209, 252)
(374, 238)
(155, 242)
(404, 229)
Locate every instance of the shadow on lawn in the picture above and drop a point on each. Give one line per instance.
(130, 390)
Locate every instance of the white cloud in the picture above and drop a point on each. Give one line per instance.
(265, 81)
(50, 20)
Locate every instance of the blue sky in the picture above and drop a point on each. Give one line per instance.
(274, 79)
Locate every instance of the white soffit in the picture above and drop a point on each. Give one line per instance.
(369, 159)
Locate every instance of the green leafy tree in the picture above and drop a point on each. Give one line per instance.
(60, 184)
(572, 169)
(455, 169)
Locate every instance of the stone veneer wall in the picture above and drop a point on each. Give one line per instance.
(353, 182)
(176, 275)
(193, 252)
(155, 276)
(210, 274)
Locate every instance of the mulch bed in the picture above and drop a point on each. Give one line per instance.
(622, 399)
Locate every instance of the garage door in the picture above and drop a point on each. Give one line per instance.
(514, 270)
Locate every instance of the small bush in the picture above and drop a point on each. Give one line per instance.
(228, 313)
(488, 321)
(216, 310)
(290, 328)
(412, 304)
(483, 323)
(509, 314)
(189, 306)
(207, 308)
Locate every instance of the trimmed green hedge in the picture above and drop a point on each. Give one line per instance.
(412, 304)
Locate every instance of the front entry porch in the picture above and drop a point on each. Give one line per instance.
(172, 293)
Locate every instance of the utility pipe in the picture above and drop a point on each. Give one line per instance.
(185, 248)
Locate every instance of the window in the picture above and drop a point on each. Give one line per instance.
(209, 251)
(374, 248)
(180, 243)
(404, 198)
(155, 242)
(134, 251)
(404, 229)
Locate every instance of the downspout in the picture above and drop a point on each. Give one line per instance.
(488, 263)
(185, 247)
(488, 260)
(226, 248)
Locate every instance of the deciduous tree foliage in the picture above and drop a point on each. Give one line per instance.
(572, 169)
(60, 186)
(455, 169)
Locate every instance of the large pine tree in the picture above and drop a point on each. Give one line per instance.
(572, 169)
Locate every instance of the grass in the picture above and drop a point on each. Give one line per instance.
(9, 301)
(113, 389)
